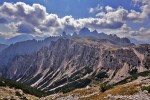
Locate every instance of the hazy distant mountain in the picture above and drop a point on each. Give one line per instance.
(114, 39)
(135, 41)
(19, 38)
(86, 32)
(2, 47)
(22, 48)
(23, 37)
(2, 40)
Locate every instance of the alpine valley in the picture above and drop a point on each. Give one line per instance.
(88, 65)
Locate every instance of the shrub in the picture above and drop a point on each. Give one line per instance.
(146, 88)
(25, 88)
(18, 94)
(67, 90)
(104, 87)
(101, 75)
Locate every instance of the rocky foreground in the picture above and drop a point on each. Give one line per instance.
(129, 91)
(7, 93)
(138, 89)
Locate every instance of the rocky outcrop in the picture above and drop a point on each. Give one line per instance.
(71, 63)
(22, 48)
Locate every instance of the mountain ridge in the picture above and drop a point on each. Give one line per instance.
(66, 62)
(59, 63)
(85, 32)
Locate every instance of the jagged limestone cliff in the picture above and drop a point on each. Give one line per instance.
(73, 63)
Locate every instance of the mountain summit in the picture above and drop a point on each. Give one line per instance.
(57, 64)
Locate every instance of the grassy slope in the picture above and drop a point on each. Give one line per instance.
(23, 87)
(121, 88)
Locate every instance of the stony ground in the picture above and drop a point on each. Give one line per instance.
(129, 91)
(7, 93)
(141, 95)
(138, 96)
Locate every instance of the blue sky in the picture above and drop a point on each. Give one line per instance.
(76, 8)
(121, 17)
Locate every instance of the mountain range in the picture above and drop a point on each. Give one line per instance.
(66, 62)
(82, 33)
(19, 38)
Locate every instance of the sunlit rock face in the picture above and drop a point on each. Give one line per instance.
(73, 63)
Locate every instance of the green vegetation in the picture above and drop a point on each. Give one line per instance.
(144, 74)
(105, 87)
(147, 63)
(76, 84)
(134, 77)
(18, 94)
(23, 87)
(98, 78)
(133, 71)
(146, 88)
(36, 78)
(68, 90)
(80, 73)
(70, 86)
(101, 75)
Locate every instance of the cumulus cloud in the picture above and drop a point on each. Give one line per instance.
(145, 10)
(109, 9)
(119, 14)
(126, 31)
(34, 19)
(122, 15)
(22, 16)
(21, 11)
(125, 15)
(141, 34)
(131, 15)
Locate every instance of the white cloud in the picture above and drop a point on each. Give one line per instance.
(35, 20)
(141, 34)
(131, 15)
(126, 31)
(23, 18)
(125, 15)
(109, 9)
(96, 9)
(145, 10)
(91, 10)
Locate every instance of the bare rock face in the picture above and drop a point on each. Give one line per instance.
(70, 63)
(21, 48)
